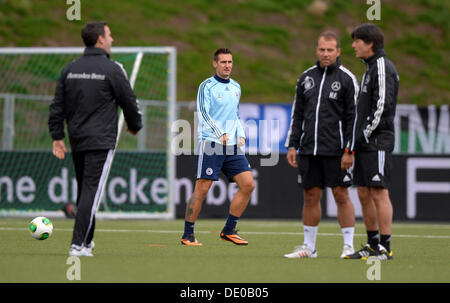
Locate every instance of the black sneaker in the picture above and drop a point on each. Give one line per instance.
(381, 254)
(365, 252)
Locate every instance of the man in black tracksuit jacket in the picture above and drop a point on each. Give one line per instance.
(87, 96)
(374, 128)
(374, 140)
(323, 111)
(321, 130)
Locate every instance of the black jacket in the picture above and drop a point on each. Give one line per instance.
(323, 111)
(374, 127)
(87, 96)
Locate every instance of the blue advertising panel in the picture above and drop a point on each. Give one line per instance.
(266, 127)
(418, 130)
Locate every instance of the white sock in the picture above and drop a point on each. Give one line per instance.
(310, 235)
(348, 233)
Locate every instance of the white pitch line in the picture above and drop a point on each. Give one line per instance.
(248, 232)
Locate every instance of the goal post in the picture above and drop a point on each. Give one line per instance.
(142, 176)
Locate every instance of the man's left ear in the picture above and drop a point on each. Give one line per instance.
(101, 40)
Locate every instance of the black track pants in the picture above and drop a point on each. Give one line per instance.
(91, 171)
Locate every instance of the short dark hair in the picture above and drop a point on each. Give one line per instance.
(369, 33)
(221, 51)
(329, 35)
(91, 31)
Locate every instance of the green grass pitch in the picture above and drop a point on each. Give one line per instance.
(150, 251)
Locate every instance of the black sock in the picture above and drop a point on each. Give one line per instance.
(231, 223)
(385, 240)
(373, 238)
(188, 228)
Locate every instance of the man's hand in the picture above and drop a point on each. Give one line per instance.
(346, 161)
(224, 139)
(134, 133)
(292, 157)
(241, 141)
(59, 149)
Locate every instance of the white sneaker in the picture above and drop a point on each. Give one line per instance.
(80, 253)
(347, 250)
(89, 248)
(301, 252)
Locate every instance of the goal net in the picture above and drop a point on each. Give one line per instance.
(34, 182)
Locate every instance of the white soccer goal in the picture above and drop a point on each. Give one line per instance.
(33, 182)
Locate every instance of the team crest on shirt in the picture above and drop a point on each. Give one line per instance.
(308, 83)
(209, 171)
(367, 79)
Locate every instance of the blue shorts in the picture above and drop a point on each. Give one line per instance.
(213, 158)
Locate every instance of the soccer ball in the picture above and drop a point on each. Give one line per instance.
(41, 228)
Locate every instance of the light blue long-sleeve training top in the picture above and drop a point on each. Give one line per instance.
(218, 110)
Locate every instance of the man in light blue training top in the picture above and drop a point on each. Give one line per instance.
(220, 136)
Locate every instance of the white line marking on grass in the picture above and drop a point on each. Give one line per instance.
(358, 235)
(248, 232)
